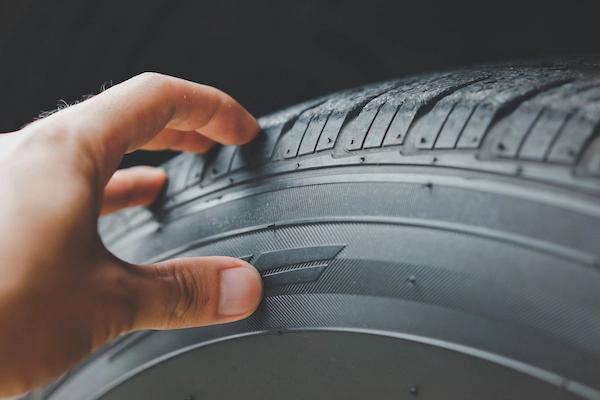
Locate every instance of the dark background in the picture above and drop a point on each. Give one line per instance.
(266, 54)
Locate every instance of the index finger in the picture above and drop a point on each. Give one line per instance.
(128, 115)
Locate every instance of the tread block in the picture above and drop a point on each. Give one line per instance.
(552, 110)
(456, 122)
(432, 125)
(266, 144)
(542, 134)
(331, 131)
(312, 134)
(415, 99)
(399, 126)
(473, 133)
(380, 126)
(359, 128)
(509, 141)
(196, 170)
(338, 107)
(570, 141)
(508, 91)
(289, 143)
(243, 157)
(442, 119)
(220, 165)
(177, 174)
(592, 164)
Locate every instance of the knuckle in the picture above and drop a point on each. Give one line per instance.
(151, 77)
(153, 81)
(159, 84)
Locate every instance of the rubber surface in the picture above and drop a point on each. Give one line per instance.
(457, 213)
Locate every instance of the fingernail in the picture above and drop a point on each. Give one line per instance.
(238, 291)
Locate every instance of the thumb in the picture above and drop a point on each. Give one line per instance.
(189, 292)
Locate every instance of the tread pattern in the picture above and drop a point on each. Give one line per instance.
(553, 126)
(538, 122)
(461, 120)
(400, 107)
(335, 111)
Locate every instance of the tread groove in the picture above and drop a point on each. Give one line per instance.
(321, 133)
(462, 129)
(287, 125)
(556, 136)
(362, 144)
(587, 144)
(425, 109)
(387, 129)
(528, 132)
(437, 136)
(507, 108)
(542, 133)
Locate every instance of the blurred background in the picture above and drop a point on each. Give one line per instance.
(266, 54)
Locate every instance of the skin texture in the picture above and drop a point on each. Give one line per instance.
(62, 294)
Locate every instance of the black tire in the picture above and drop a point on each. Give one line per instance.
(434, 237)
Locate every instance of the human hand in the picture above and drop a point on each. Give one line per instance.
(62, 294)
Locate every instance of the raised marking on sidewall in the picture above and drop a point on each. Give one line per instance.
(282, 258)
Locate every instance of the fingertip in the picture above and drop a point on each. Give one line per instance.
(234, 125)
(158, 178)
(241, 291)
(249, 129)
(188, 292)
